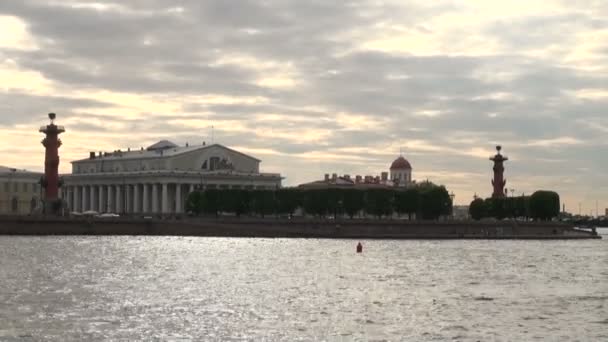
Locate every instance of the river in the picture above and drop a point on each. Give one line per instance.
(237, 289)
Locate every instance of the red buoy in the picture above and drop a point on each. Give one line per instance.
(359, 248)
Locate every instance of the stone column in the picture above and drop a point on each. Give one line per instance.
(145, 207)
(165, 199)
(92, 203)
(127, 198)
(76, 198)
(118, 204)
(69, 197)
(111, 199)
(136, 199)
(83, 198)
(155, 198)
(191, 188)
(100, 205)
(178, 198)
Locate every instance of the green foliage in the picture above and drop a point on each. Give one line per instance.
(434, 202)
(235, 201)
(315, 202)
(496, 207)
(212, 201)
(287, 200)
(353, 201)
(194, 202)
(263, 202)
(477, 209)
(379, 202)
(428, 201)
(407, 202)
(544, 205)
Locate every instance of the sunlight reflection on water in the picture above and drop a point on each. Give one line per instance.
(171, 288)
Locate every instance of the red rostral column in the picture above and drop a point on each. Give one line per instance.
(50, 181)
(499, 182)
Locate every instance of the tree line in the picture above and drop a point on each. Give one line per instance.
(542, 205)
(425, 201)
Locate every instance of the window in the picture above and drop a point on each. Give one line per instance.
(6, 187)
(25, 187)
(15, 187)
(214, 163)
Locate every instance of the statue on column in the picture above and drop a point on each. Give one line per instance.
(51, 181)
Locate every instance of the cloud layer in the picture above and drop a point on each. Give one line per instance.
(312, 87)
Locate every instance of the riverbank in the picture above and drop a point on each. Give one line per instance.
(292, 228)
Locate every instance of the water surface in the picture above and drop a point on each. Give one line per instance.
(231, 289)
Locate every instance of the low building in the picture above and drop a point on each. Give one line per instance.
(20, 191)
(158, 179)
(400, 176)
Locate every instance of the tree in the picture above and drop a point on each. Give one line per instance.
(334, 201)
(240, 201)
(287, 200)
(211, 201)
(477, 209)
(544, 205)
(406, 202)
(378, 202)
(263, 202)
(315, 202)
(496, 207)
(194, 202)
(353, 201)
(434, 202)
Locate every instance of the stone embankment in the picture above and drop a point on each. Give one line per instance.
(296, 228)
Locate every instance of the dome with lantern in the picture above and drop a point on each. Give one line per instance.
(401, 172)
(401, 164)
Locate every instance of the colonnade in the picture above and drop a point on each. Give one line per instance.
(142, 198)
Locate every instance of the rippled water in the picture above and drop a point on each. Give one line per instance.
(182, 289)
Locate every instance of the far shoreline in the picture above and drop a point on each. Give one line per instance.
(393, 229)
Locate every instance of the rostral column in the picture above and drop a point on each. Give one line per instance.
(50, 181)
(499, 182)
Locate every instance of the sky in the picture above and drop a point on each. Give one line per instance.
(314, 87)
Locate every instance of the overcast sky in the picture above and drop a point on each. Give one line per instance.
(314, 87)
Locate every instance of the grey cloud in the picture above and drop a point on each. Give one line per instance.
(146, 48)
(17, 107)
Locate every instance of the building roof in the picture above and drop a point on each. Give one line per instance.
(401, 164)
(9, 170)
(161, 145)
(338, 181)
(163, 149)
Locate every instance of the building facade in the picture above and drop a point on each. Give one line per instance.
(20, 191)
(399, 175)
(157, 180)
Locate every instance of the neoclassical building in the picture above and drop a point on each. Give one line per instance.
(158, 179)
(19, 191)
